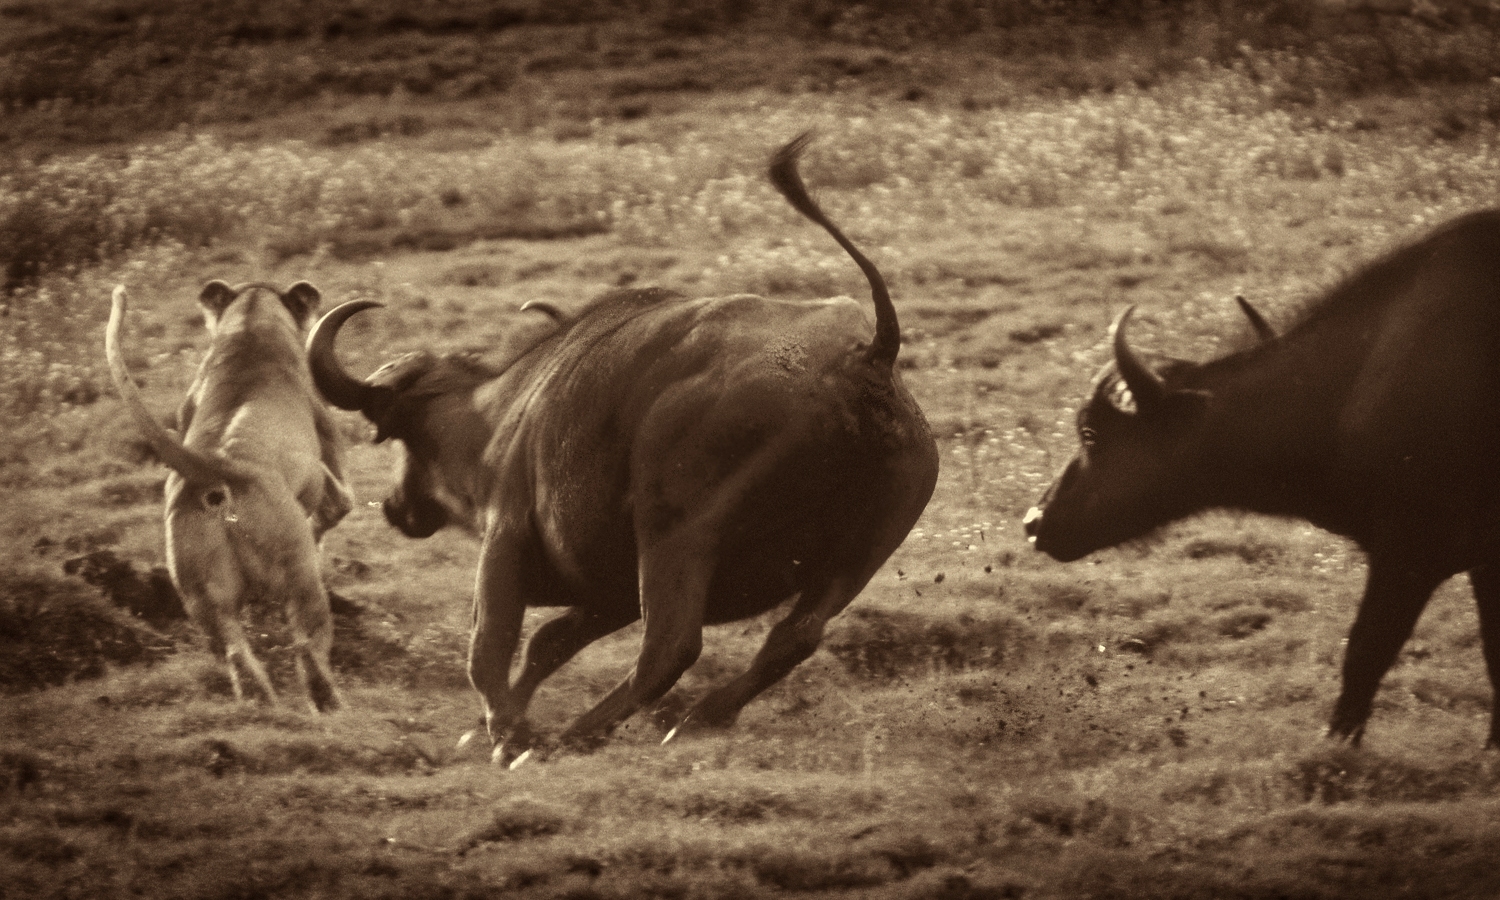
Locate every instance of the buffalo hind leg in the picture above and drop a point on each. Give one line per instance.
(674, 576)
(1486, 582)
(1395, 595)
(791, 641)
(557, 640)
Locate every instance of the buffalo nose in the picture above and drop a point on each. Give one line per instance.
(1032, 522)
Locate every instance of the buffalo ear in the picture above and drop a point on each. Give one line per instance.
(215, 298)
(301, 300)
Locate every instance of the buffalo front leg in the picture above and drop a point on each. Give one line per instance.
(791, 641)
(499, 607)
(674, 576)
(1486, 582)
(1395, 595)
(558, 640)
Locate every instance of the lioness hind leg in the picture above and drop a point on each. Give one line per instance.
(311, 622)
(238, 656)
(208, 578)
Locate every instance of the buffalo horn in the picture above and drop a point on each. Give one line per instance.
(337, 386)
(1258, 322)
(543, 306)
(1144, 384)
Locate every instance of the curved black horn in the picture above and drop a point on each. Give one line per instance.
(337, 386)
(543, 306)
(1263, 329)
(1144, 384)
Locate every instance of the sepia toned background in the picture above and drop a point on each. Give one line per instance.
(982, 722)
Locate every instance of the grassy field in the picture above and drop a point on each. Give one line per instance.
(982, 722)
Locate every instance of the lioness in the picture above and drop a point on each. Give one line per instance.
(255, 478)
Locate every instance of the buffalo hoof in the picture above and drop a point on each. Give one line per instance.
(466, 739)
(505, 755)
(1347, 724)
(521, 745)
(1346, 733)
(512, 755)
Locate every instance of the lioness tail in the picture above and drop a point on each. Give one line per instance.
(194, 467)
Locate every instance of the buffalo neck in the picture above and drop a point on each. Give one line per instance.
(1272, 422)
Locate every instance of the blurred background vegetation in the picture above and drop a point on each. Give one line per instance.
(87, 74)
(105, 69)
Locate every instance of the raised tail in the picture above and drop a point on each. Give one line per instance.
(194, 467)
(783, 173)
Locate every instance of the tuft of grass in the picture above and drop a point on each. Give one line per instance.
(1339, 774)
(55, 630)
(520, 819)
(883, 644)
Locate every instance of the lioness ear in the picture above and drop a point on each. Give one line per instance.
(301, 300)
(215, 297)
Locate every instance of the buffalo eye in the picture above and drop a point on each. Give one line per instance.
(1087, 436)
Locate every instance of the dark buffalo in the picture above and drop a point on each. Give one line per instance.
(1375, 416)
(685, 461)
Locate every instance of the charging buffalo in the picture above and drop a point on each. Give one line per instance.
(1375, 416)
(683, 461)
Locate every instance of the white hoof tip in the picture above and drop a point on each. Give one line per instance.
(518, 761)
(465, 738)
(671, 734)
